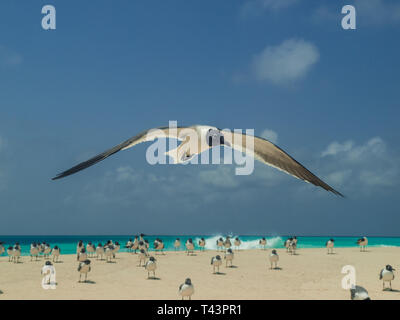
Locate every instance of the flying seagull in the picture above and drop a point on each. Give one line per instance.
(207, 137)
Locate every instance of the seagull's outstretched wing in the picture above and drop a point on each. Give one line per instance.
(148, 135)
(270, 154)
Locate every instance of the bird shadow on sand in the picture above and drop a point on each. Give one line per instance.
(276, 268)
(153, 278)
(234, 267)
(390, 290)
(111, 261)
(192, 255)
(58, 261)
(220, 273)
(87, 282)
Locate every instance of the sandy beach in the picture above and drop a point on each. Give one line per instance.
(311, 274)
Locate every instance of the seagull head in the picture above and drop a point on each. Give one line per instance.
(389, 268)
(214, 137)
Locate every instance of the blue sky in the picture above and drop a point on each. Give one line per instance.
(113, 69)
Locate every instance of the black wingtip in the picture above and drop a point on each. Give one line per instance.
(338, 194)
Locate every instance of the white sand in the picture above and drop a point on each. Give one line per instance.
(312, 274)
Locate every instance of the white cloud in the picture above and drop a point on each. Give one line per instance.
(336, 147)
(270, 135)
(338, 178)
(361, 167)
(288, 61)
(255, 7)
(374, 146)
(9, 58)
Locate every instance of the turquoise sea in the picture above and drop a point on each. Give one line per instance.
(68, 243)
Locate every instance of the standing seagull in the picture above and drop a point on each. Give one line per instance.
(108, 251)
(237, 243)
(56, 253)
(186, 289)
(90, 249)
(293, 246)
(84, 268)
(34, 251)
(189, 246)
(363, 242)
(129, 245)
(80, 246)
(387, 275)
(287, 244)
(159, 245)
(263, 243)
(177, 244)
(229, 257)
(198, 138)
(10, 254)
(358, 293)
(116, 248)
(274, 258)
(329, 245)
(46, 251)
(202, 244)
(220, 244)
(99, 251)
(216, 263)
(142, 257)
(16, 252)
(135, 244)
(151, 266)
(227, 243)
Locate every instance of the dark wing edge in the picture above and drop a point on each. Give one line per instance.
(298, 171)
(104, 155)
(278, 158)
(98, 158)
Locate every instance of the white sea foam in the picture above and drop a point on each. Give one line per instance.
(211, 242)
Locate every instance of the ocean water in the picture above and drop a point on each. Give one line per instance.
(68, 243)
